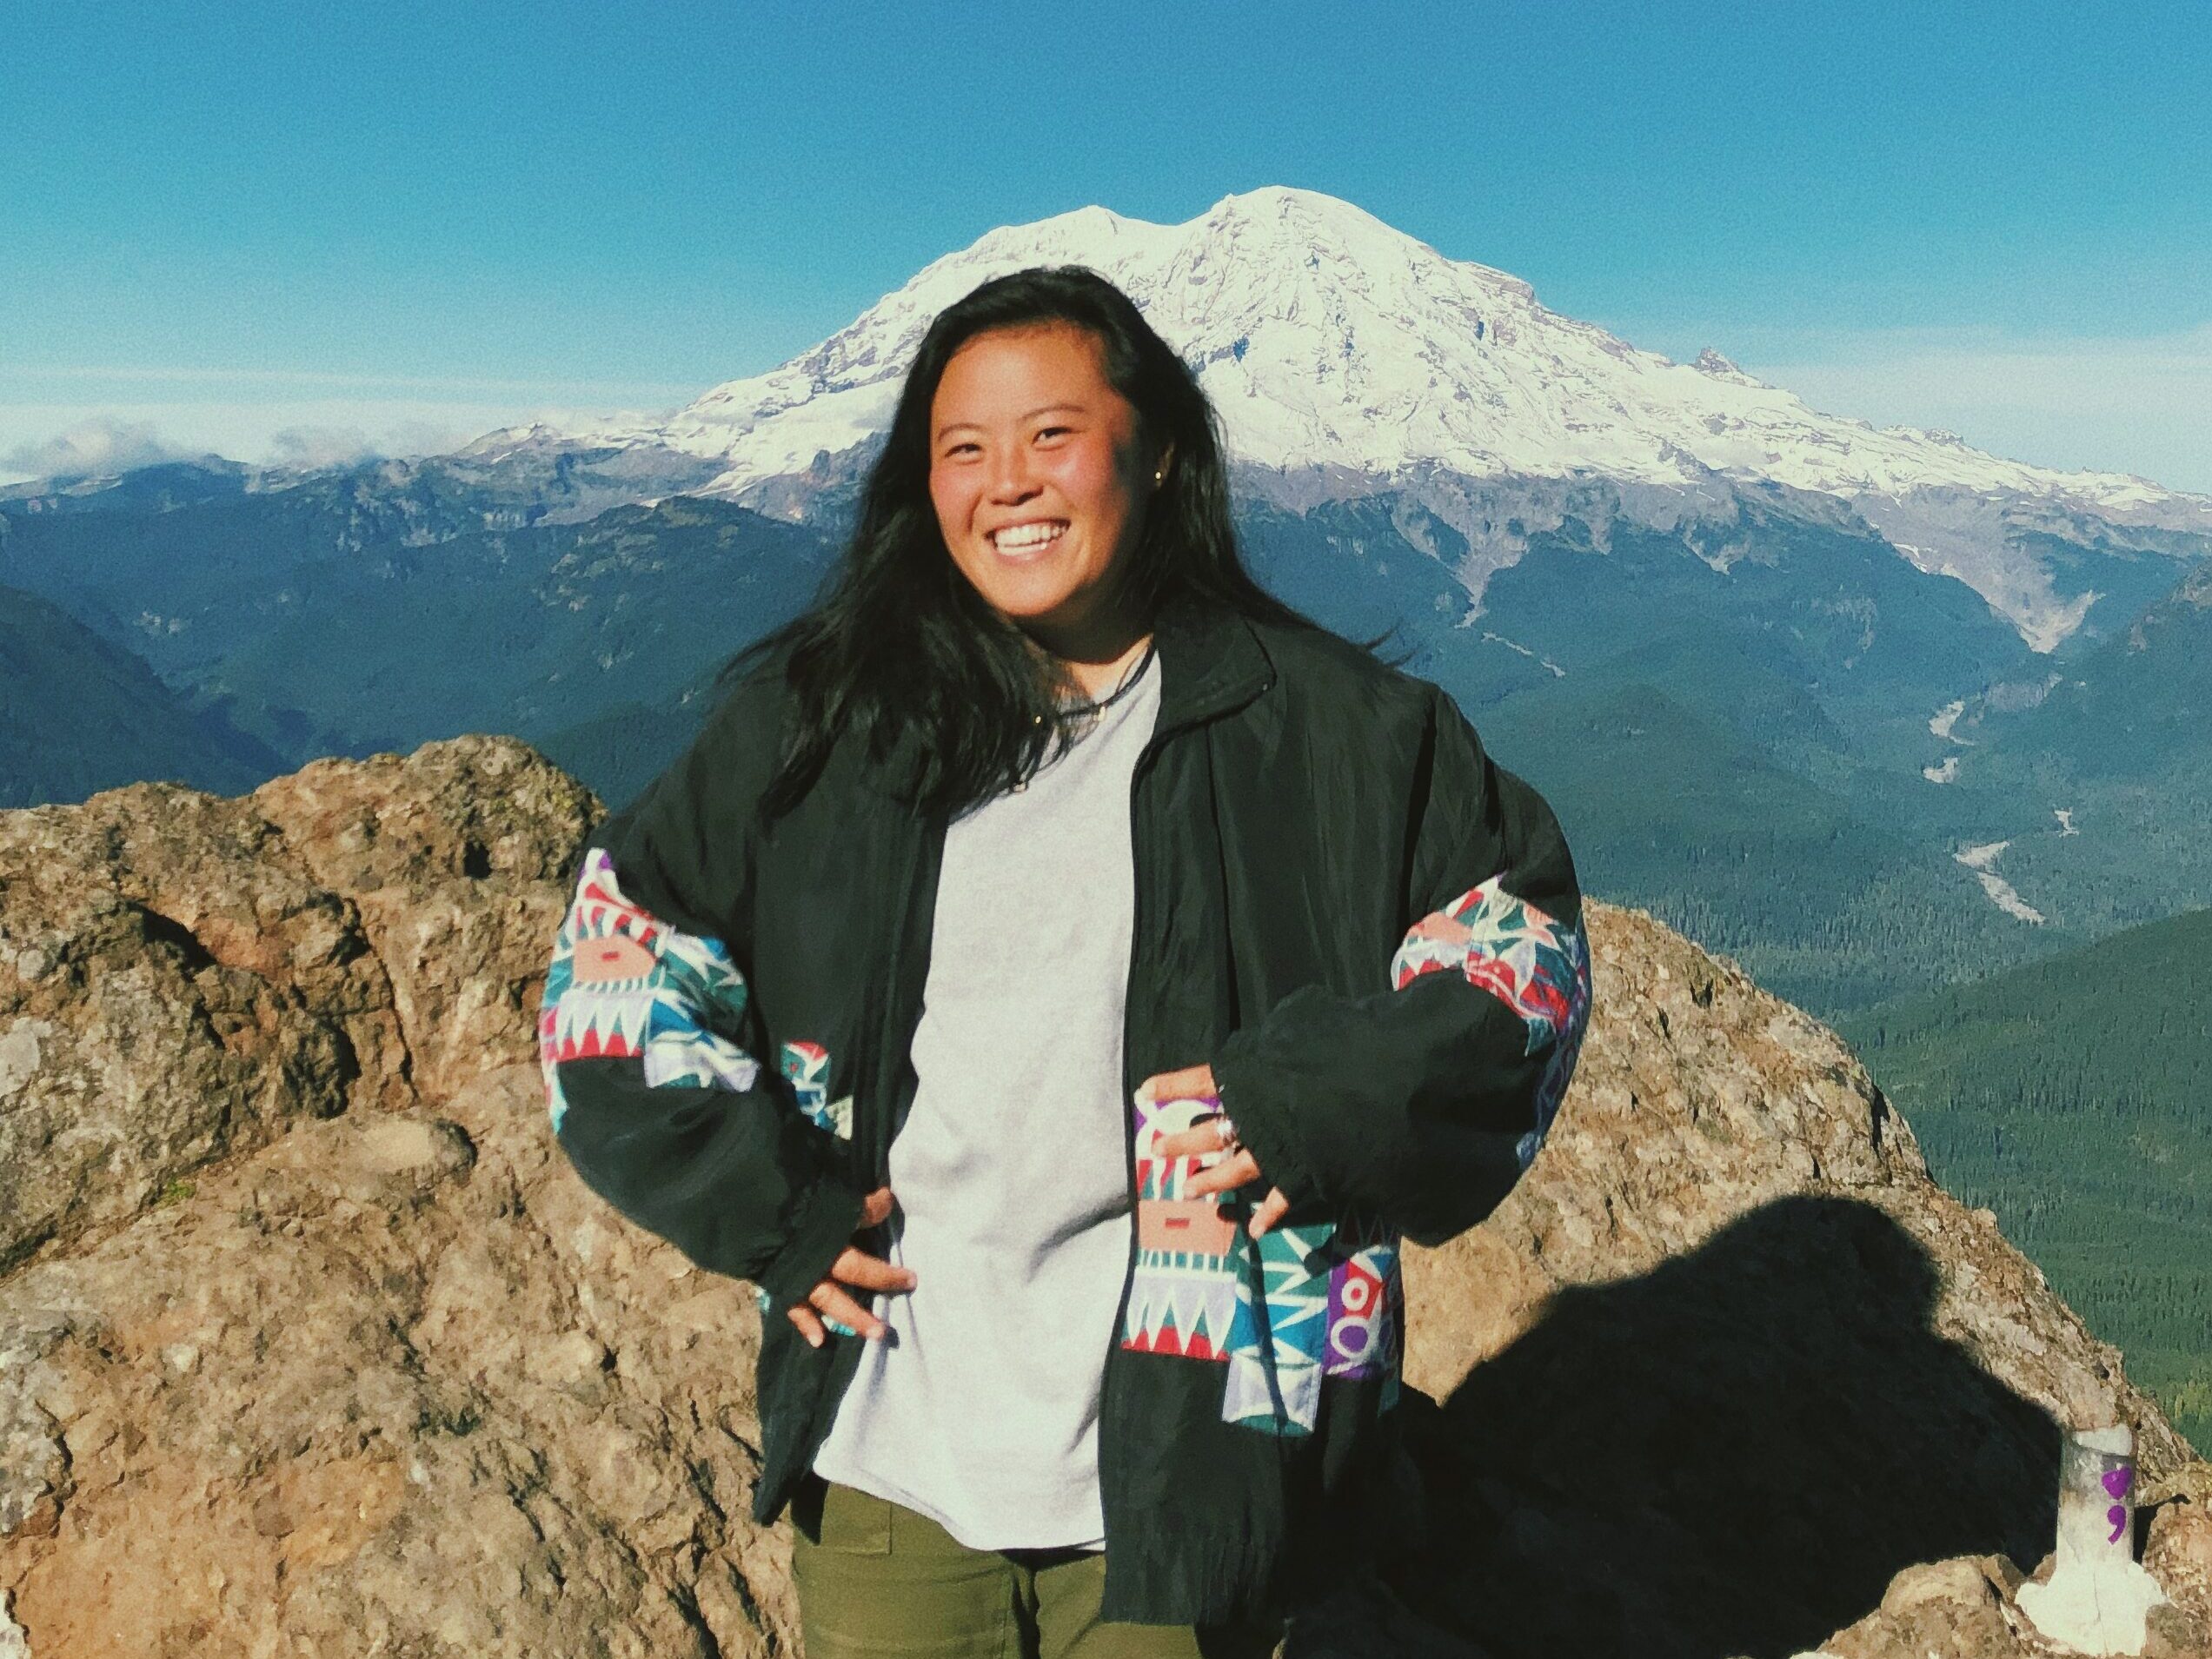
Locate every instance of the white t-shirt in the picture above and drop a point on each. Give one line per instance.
(981, 1408)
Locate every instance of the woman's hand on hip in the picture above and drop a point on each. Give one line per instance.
(1210, 1135)
(855, 1267)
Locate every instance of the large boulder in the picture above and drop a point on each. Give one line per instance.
(396, 1383)
(312, 1342)
(181, 975)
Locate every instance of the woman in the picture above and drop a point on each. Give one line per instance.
(1138, 963)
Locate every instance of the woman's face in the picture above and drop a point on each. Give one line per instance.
(1038, 482)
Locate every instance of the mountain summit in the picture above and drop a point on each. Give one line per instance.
(1345, 355)
(1327, 339)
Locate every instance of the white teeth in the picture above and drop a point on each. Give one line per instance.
(1026, 535)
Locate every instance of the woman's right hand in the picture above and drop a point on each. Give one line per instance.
(853, 1266)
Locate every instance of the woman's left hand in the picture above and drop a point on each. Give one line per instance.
(1238, 1169)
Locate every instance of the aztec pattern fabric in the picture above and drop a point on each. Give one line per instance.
(624, 985)
(1323, 1309)
(1280, 1312)
(1534, 965)
(1305, 1303)
(805, 1067)
(1190, 1251)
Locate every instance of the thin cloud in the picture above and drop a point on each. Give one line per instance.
(93, 448)
(310, 445)
(63, 441)
(423, 437)
(320, 445)
(2112, 373)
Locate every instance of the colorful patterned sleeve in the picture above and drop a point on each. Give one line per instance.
(661, 1109)
(1537, 967)
(624, 985)
(1415, 1108)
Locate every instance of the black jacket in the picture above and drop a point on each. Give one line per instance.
(1371, 931)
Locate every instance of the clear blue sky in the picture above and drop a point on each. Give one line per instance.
(1995, 214)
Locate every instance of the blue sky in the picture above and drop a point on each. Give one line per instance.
(249, 227)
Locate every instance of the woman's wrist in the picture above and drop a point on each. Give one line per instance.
(1265, 1134)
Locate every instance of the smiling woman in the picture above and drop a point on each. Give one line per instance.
(1035, 507)
(1141, 963)
(1041, 398)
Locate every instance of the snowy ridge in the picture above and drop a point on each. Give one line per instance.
(1335, 345)
(1328, 339)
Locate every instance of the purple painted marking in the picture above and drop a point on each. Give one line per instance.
(2116, 1480)
(2118, 1516)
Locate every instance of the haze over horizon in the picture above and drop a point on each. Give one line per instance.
(285, 238)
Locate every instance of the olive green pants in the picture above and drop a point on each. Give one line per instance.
(876, 1579)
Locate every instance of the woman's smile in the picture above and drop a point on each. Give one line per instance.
(1029, 541)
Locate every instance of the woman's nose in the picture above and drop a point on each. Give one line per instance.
(1010, 479)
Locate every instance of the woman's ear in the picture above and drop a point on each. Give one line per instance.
(1160, 467)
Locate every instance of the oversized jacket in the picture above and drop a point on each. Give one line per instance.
(1371, 931)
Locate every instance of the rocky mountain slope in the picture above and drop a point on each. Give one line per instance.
(310, 1342)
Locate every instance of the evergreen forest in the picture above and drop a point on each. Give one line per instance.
(2069, 1096)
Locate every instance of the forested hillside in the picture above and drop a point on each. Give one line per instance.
(2073, 1097)
(1782, 743)
(79, 714)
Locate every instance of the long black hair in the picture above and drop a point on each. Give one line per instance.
(901, 646)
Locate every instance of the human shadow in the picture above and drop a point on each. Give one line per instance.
(1731, 1455)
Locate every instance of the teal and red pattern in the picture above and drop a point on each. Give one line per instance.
(1305, 1303)
(1536, 966)
(1280, 1313)
(1191, 1253)
(625, 985)
(805, 1067)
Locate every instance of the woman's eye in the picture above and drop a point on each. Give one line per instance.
(1046, 432)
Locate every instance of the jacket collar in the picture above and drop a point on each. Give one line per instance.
(1211, 662)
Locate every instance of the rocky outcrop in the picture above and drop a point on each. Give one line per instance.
(183, 975)
(393, 1384)
(311, 1342)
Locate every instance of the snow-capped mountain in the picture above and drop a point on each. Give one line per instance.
(1346, 356)
(1709, 622)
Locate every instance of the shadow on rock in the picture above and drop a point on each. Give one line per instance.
(1732, 1455)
